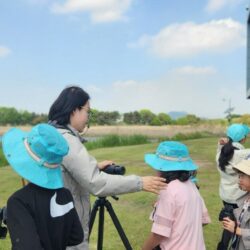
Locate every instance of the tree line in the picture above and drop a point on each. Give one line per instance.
(142, 117)
(11, 116)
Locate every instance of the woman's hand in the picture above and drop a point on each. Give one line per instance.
(228, 224)
(153, 184)
(103, 164)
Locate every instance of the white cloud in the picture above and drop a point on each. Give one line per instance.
(100, 10)
(215, 5)
(189, 39)
(191, 92)
(4, 51)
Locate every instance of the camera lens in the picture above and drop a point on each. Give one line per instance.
(115, 170)
(120, 170)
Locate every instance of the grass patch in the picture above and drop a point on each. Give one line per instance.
(188, 136)
(3, 161)
(133, 209)
(116, 140)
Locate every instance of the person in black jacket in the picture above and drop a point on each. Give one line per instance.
(41, 215)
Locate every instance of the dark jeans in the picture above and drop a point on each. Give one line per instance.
(226, 235)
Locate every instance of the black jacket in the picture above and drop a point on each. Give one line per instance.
(39, 218)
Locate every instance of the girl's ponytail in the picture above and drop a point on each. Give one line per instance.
(226, 154)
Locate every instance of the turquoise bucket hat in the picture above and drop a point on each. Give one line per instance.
(36, 155)
(237, 131)
(171, 156)
(247, 129)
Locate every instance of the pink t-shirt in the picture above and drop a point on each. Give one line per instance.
(179, 214)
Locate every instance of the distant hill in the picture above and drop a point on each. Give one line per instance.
(177, 114)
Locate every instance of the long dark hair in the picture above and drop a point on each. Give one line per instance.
(227, 153)
(180, 175)
(70, 99)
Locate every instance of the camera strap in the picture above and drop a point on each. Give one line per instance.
(245, 207)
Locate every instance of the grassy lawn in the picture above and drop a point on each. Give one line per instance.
(133, 209)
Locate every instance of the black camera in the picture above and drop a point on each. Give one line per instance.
(227, 211)
(114, 169)
(3, 219)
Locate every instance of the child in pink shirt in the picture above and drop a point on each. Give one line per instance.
(180, 211)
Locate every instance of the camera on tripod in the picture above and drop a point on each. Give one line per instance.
(114, 169)
(3, 219)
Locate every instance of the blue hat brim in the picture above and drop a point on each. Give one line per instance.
(19, 159)
(165, 165)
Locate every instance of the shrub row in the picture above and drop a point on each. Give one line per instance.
(116, 140)
(189, 136)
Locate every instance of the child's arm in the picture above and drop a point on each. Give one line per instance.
(152, 241)
(205, 216)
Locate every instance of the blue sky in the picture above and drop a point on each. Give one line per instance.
(128, 54)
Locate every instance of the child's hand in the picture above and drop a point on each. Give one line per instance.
(228, 224)
(223, 141)
(153, 184)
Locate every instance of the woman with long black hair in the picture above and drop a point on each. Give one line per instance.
(82, 176)
(230, 151)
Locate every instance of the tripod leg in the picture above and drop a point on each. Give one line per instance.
(92, 216)
(100, 228)
(118, 225)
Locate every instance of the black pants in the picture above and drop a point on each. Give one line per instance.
(226, 235)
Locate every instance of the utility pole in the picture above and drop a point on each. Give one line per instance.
(229, 110)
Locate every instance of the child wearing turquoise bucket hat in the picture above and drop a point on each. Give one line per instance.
(41, 215)
(230, 151)
(180, 211)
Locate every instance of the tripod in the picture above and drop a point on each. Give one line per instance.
(102, 202)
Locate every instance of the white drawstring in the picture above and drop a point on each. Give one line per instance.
(37, 158)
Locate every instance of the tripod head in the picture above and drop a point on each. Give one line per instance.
(115, 197)
(105, 197)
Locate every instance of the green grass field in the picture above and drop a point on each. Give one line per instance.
(133, 209)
